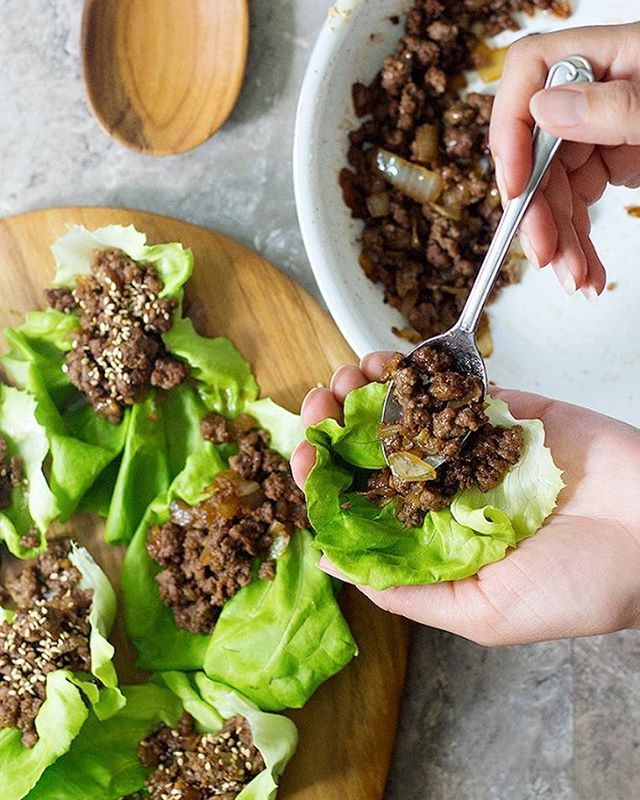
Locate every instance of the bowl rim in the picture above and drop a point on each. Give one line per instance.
(306, 140)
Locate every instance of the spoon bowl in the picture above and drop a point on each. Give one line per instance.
(163, 75)
(461, 346)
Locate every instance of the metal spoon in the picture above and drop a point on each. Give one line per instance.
(460, 341)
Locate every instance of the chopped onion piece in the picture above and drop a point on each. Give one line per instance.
(424, 147)
(387, 429)
(281, 537)
(452, 213)
(414, 181)
(484, 340)
(378, 204)
(408, 467)
(562, 9)
(490, 62)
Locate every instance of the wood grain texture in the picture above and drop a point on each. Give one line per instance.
(163, 75)
(347, 730)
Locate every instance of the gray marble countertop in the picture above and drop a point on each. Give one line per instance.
(558, 721)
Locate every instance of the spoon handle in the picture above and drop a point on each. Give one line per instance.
(574, 69)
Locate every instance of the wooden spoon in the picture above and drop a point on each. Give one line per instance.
(163, 75)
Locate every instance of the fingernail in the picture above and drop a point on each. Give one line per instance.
(528, 250)
(326, 566)
(308, 395)
(562, 107)
(565, 277)
(500, 180)
(590, 293)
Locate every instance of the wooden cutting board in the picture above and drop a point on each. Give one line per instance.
(347, 729)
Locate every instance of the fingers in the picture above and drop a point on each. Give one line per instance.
(460, 607)
(321, 403)
(345, 380)
(373, 364)
(318, 405)
(538, 233)
(596, 278)
(569, 262)
(302, 461)
(525, 405)
(612, 52)
(433, 605)
(597, 113)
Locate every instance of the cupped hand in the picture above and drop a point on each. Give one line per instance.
(600, 124)
(578, 576)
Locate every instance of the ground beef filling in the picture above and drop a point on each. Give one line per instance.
(209, 551)
(188, 765)
(50, 631)
(118, 353)
(442, 415)
(427, 256)
(11, 474)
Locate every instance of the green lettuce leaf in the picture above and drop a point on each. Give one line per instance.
(163, 429)
(369, 545)
(73, 254)
(64, 710)
(81, 444)
(102, 763)
(275, 641)
(33, 505)
(117, 470)
(224, 378)
(286, 429)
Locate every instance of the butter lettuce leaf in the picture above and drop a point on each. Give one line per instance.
(117, 470)
(74, 252)
(223, 376)
(33, 505)
(369, 545)
(65, 708)
(103, 764)
(81, 444)
(275, 641)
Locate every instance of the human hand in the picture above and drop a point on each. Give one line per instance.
(578, 576)
(601, 125)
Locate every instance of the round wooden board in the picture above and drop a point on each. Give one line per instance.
(347, 729)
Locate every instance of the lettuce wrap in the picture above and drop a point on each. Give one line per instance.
(275, 640)
(368, 543)
(33, 505)
(102, 763)
(68, 695)
(117, 469)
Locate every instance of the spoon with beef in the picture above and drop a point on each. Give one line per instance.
(448, 379)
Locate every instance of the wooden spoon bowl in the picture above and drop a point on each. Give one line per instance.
(163, 75)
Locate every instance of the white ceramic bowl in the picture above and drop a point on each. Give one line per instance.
(544, 341)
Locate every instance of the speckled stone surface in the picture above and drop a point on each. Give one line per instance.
(557, 721)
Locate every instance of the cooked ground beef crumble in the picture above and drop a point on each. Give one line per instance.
(188, 765)
(442, 415)
(426, 256)
(208, 551)
(50, 631)
(118, 353)
(11, 474)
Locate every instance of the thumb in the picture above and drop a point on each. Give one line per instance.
(595, 113)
